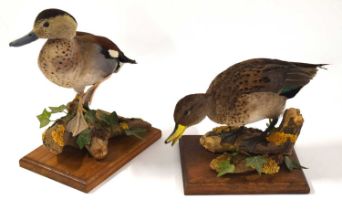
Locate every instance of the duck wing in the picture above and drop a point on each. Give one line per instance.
(109, 49)
(284, 78)
(263, 75)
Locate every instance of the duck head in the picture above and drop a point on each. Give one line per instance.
(50, 24)
(189, 111)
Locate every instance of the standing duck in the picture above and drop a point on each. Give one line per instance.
(244, 93)
(73, 59)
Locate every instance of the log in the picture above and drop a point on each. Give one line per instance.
(103, 127)
(235, 145)
(252, 141)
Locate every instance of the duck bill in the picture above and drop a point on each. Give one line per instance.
(24, 40)
(176, 134)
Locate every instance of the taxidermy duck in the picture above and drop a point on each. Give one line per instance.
(73, 59)
(244, 93)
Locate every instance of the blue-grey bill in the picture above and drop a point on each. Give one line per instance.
(24, 40)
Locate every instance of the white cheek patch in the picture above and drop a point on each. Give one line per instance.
(113, 53)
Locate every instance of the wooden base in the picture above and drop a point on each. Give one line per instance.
(199, 179)
(78, 169)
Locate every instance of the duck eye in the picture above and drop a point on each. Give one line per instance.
(187, 112)
(46, 24)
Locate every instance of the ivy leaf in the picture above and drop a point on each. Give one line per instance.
(83, 138)
(44, 118)
(256, 162)
(90, 116)
(137, 132)
(109, 119)
(225, 167)
(57, 109)
(113, 119)
(292, 164)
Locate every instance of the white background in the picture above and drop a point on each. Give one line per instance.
(180, 46)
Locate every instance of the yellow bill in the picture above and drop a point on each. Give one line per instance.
(176, 134)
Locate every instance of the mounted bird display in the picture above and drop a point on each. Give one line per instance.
(73, 59)
(246, 92)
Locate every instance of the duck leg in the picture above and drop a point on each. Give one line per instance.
(88, 96)
(273, 122)
(78, 124)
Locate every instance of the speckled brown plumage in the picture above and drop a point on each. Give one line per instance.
(58, 62)
(73, 59)
(255, 89)
(244, 93)
(70, 58)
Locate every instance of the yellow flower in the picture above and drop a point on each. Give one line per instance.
(270, 167)
(124, 126)
(58, 135)
(279, 138)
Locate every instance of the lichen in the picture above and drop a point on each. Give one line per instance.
(214, 164)
(124, 126)
(58, 135)
(279, 138)
(270, 167)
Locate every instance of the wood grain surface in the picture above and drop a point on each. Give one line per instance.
(78, 169)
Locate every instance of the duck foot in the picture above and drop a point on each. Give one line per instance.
(271, 126)
(88, 96)
(78, 124)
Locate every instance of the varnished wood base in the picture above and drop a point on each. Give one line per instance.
(199, 179)
(78, 169)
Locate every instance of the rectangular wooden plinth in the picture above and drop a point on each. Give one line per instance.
(199, 179)
(78, 169)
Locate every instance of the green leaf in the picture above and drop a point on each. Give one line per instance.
(57, 109)
(256, 162)
(44, 118)
(109, 119)
(292, 164)
(90, 116)
(114, 119)
(225, 167)
(137, 132)
(83, 138)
